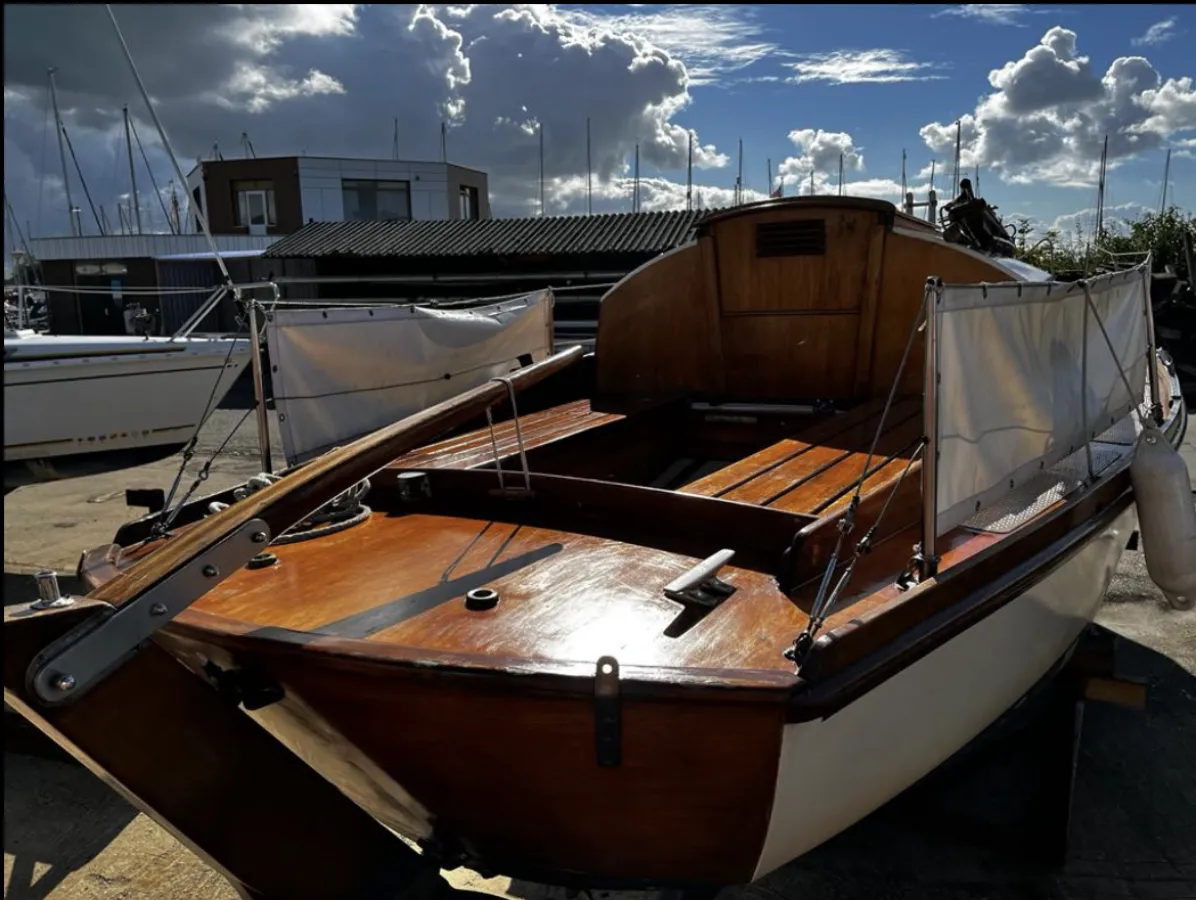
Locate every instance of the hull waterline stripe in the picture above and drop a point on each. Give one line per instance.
(130, 374)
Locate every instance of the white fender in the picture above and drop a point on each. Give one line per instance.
(1166, 517)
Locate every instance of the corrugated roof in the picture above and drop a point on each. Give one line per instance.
(631, 233)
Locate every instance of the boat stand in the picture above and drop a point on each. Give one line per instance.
(1044, 744)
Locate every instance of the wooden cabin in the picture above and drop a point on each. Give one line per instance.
(809, 298)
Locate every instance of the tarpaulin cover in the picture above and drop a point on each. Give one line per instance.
(1018, 391)
(342, 372)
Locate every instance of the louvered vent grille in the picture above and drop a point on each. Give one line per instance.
(805, 238)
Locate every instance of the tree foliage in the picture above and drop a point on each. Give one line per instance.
(1160, 233)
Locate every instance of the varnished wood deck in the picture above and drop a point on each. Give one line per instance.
(813, 472)
(539, 429)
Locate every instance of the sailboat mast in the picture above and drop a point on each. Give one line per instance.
(1166, 178)
(134, 199)
(840, 174)
(739, 177)
(770, 176)
(958, 153)
(589, 172)
(66, 182)
(689, 174)
(1100, 192)
(540, 129)
(635, 189)
(394, 143)
(174, 208)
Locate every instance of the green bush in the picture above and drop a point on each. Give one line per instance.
(1160, 233)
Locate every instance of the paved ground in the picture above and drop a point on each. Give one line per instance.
(68, 837)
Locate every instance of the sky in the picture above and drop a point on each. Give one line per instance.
(1036, 89)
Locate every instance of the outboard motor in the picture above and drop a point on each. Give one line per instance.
(970, 221)
(1166, 516)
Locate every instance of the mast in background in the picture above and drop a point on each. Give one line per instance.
(1100, 191)
(134, 200)
(739, 177)
(1166, 179)
(689, 173)
(174, 208)
(66, 182)
(589, 173)
(635, 184)
(958, 154)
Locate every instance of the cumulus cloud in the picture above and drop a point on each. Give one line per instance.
(1157, 33)
(814, 168)
(1083, 222)
(1050, 110)
(330, 79)
(862, 67)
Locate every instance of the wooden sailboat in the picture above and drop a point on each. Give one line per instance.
(733, 583)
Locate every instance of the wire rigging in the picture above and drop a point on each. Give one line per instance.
(153, 181)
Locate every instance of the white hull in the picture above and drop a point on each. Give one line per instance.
(66, 396)
(837, 770)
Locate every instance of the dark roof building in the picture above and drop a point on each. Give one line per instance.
(579, 256)
(616, 234)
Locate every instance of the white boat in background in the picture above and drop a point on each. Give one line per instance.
(80, 404)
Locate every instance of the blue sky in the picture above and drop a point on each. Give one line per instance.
(946, 53)
(1036, 87)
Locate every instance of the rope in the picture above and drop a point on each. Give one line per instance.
(168, 515)
(189, 450)
(338, 514)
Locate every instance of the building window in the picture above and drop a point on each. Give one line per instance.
(373, 201)
(254, 206)
(467, 200)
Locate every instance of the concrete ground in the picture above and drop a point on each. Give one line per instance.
(68, 837)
